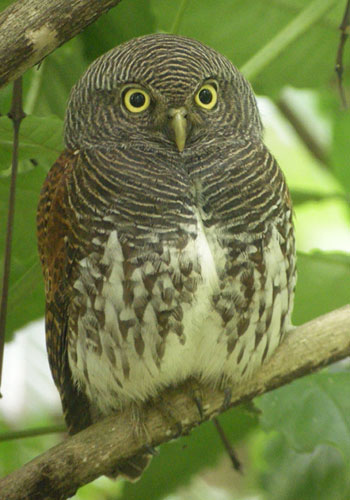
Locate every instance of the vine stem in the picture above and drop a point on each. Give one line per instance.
(28, 433)
(339, 68)
(16, 114)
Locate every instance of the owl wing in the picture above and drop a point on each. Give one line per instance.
(58, 261)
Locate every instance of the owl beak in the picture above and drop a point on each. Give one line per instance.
(178, 123)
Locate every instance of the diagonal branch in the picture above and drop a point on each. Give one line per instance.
(32, 29)
(59, 472)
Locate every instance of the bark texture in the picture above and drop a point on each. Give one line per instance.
(32, 29)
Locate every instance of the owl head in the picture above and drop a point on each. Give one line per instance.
(160, 91)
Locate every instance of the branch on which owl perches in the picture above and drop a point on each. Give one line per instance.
(59, 472)
(32, 29)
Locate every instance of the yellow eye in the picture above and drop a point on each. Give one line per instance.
(207, 96)
(136, 100)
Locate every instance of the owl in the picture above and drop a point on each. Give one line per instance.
(165, 232)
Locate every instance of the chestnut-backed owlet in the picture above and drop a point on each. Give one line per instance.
(165, 232)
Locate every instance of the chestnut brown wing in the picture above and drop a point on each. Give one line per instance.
(58, 260)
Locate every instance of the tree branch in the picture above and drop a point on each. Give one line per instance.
(59, 472)
(309, 137)
(32, 29)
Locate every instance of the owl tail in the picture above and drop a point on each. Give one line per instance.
(133, 468)
(77, 413)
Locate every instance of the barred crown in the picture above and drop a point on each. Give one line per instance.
(171, 66)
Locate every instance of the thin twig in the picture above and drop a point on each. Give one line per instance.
(339, 68)
(314, 146)
(228, 447)
(35, 432)
(16, 114)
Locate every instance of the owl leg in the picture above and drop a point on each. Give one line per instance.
(195, 390)
(133, 468)
(169, 415)
(198, 399)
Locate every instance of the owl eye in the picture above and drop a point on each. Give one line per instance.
(206, 96)
(136, 100)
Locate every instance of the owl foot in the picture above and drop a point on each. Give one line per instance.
(199, 405)
(169, 416)
(152, 450)
(132, 468)
(194, 388)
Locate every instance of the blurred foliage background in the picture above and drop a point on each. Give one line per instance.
(299, 446)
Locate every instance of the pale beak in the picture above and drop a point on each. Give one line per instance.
(178, 123)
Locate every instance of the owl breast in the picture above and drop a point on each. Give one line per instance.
(208, 305)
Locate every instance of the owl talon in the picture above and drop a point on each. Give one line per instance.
(151, 450)
(179, 431)
(227, 398)
(195, 392)
(199, 405)
(175, 426)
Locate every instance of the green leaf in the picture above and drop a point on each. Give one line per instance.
(100, 489)
(40, 139)
(323, 284)
(26, 292)
(131, 18)
(47, 92)
(14, 454)
(311, 411)
(4, 4)
(179, 460)
(320, 475)
(239, 29)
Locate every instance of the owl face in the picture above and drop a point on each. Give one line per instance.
(147, 112)
(160, 91)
